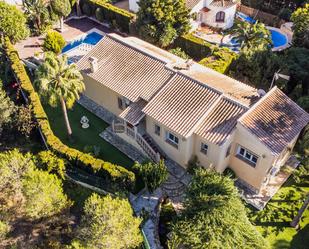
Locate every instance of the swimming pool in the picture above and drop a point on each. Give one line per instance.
(92, 39)
(278, 38)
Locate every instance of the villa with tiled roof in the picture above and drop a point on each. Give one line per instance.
(186, 110)
(214, 13)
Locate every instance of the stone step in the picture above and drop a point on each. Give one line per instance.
(172, 186)
(174, 192)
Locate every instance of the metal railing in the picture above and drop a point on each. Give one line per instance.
(121, 127)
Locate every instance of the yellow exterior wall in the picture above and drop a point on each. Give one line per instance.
(102, 95)
(252, 175)
(182, 154)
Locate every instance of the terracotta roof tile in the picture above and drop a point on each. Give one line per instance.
(133, 113)
(181, 104)
(191, 3)
(221, 121)
(275, 120)
(125, 69)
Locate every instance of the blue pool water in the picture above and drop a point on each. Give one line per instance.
(92, 38)
(278, 38)
(245, 17)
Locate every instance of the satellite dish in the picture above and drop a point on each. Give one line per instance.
(261, 92)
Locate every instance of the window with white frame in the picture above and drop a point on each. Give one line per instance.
(172, 139)
(204, 148)
(157, 130)
(247, 156)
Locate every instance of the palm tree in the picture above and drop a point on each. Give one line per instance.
(252, 36)
(37, 11)
(59, 82)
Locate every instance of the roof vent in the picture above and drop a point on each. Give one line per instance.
(261, 93)
(93, 64)
(183, 65)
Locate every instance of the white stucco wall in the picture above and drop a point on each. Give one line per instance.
(133, 6)
(209, 18)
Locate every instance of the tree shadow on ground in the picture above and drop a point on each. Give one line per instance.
(301, 239)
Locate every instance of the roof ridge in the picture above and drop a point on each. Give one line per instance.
(258, 103)
(128, 43)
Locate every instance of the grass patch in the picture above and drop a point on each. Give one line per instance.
(274, 221)
(85, 139)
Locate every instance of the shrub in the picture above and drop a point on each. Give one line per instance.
(43, 194)
(99, 14)
(108, 13)
(179, 53)
(193, 46)
(4, 229)
(115, 176)
(220, 60)
(48, 161)
(53, 42)
(153, 174)
(87, 9)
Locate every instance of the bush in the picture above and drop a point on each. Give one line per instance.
(220, 60)
(116, 176)
(99, 14)
(54, 42)
(178, 52)
(108, 13)
(193, 46)
(87, 9)
(4, 229)
(285, 13)
(153, 174)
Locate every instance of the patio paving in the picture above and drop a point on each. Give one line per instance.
(73, 28)
(261, 199)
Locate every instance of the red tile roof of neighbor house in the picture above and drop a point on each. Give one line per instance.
(126, 70)
(275, 120)
(223, 3)
(133, 113)
(198, 100)
(221, 121)
(191, 3)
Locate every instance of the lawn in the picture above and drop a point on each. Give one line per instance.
(274, 221)
(85, 139)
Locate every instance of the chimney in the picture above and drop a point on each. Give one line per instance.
(189, 63)
(93, 64)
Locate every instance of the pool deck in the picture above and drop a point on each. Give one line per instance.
(73, 28)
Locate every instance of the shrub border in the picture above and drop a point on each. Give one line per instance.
(117, 176)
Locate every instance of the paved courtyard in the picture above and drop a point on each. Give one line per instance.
(72, 29)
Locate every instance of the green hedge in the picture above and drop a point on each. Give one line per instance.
(115, 176)
(193, 46)
(118, 17)
(220, 60)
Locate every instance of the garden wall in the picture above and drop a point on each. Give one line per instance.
(106, 12)
(116, 176)
(261, 16)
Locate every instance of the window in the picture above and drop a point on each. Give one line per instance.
(228, 151)
(172, 139)
(220, 16)
(157, 130)
(204, 148)
(247, 156)
(120, 103)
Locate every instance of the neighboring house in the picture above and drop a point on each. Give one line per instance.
(214, 13)
(168, 107)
